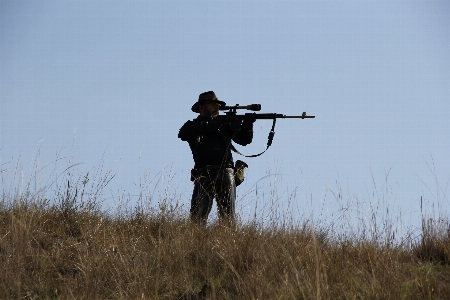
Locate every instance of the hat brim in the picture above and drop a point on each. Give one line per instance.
(196, 104)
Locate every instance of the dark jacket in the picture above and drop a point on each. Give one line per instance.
(209, 139)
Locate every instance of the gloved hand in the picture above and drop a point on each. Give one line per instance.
(248, 122)
(251, 118)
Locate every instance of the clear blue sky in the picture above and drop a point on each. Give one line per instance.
(109, 83)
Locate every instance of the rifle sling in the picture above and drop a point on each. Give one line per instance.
(269, 141)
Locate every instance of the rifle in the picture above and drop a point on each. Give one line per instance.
(231, 115)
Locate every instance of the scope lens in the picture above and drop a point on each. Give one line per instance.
(255, 107)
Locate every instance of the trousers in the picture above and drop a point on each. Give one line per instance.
(209, 185)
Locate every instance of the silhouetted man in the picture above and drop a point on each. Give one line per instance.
(213, 173)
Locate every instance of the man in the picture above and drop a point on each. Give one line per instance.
(213, 173)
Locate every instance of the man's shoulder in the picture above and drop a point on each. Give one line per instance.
(191, 123)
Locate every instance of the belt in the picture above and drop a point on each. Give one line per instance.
(214, 167)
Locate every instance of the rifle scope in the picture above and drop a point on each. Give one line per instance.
(253, 107)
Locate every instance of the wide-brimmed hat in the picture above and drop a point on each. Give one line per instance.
(204, 98)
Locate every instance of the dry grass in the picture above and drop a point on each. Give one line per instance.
(66, 252)
(68, 248)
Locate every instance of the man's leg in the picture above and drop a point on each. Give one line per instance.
(226, 194)
(202, 198)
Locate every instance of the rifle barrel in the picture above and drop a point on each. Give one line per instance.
(298, 117)
(276, 116)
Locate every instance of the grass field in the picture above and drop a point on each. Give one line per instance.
(69, 248)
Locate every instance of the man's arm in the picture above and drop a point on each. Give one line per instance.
(190, 130)
(244, 134)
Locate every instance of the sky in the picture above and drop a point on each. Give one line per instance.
(104, 86)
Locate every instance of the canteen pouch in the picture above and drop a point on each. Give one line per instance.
(239, 175)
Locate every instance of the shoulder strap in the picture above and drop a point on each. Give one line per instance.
(269, 141)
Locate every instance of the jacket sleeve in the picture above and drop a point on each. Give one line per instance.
(190, 130)
(244, 134)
